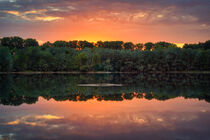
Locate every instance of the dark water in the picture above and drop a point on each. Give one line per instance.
(160, 107)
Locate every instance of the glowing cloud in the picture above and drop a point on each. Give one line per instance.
(48, 18)
(48, 117)
(39, 120)
(16, 13)
(13, 122)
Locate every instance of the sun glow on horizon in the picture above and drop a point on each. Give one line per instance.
(180, 45)
(92, 38)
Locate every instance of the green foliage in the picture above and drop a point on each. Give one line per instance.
(6, 61)
(85, 44)
(82, 61)
(116, 45)
(100, 44)
(148, 45)
(50, 59)
(139, 46)
(12, 42)
(96, 60)
(60, 44)
(164, 45)
(47, 45)
(30, 42)
(115, 56)
(73, 44)
(128, 45)
(99, 59)
(20, 60)
(202, 46)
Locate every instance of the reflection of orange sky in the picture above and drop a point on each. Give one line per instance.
(94, 118)
(103, 107)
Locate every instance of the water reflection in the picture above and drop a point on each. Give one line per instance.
(55, 107)
(132, 119)
(18, 89)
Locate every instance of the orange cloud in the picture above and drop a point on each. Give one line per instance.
(48, 18)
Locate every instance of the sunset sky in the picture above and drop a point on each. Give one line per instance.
(177, 21)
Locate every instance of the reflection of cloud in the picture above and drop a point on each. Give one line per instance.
(9, 136)
(139, 121)
(203, 110)
(159, 119)
(39, 120)
(96, 124)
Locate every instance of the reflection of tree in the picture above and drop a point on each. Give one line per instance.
(18, 100)
(15, 90)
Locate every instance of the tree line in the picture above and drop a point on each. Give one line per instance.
(17, 54)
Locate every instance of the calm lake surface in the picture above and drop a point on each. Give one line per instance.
(105, 106)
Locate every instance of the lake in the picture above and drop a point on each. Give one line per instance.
(105, 106)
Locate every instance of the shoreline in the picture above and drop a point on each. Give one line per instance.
(103, 72)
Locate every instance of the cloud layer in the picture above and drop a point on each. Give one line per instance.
(132, 12)
(135, 11)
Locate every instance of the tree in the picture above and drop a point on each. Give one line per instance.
(95, 60)
(203, 46)
(6, 60)
(13, 42)
(190, 46)
(73, 44)
(6, 41)
(148, 46)
(31, 43)
(17, 42)
(21, 59)
(100, 44)
(47, 45)
(61, 44)
(116, 45)
(85, 44)
(82, 61)
(139, 46)
(164, 45)
(206, 45)
(128, 46)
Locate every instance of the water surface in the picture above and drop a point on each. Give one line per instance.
(145, 107)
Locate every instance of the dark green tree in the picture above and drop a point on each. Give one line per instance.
(73, 44)
(61, 44)
(30, 42)
(47, 45)
(164, 45)
(85, 44)
(116, 45)
(128, 46)
(139, 46)
(82, 61)
(148, 46)
(6, 60)
(13, 42)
